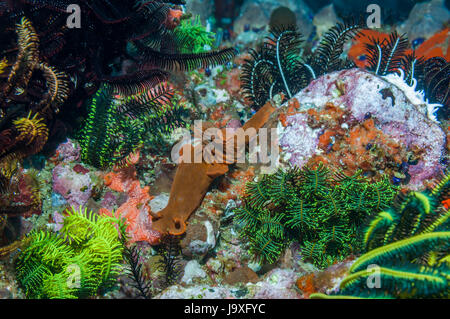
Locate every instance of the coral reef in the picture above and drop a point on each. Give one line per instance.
(111, 189)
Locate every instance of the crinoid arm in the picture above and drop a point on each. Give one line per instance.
(386, 56)
(186, 62)
(327, 56)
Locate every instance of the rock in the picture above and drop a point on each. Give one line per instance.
(68, 151)
(425, 19)
(325, 19)
(386, 123)
(159, 202)
(257, 13)
(5, 294)
(76, 188)
(215, 265)
(250, 38)
(109, 201)
(325, 281)
(241, 275)
(255, 266)
(58, 200)
(200, 238)
(202, 232)
(202, 8)
(8, 284)
(229, 211)
(192, 270)
(195, 292)
(211, 97)
(282, 17)
(277, 284)
(299, 145)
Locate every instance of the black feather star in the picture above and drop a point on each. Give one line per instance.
(136, 83)
(169, 250)
(327, 56)
(414, 68)
(432, 76)
(275, 67)
(437, 83)
(386, 56)
(258, 77)
(185, 62)
(134, 271)
(278, 67)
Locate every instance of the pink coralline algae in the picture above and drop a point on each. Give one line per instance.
(68, 151)
(76, 188)
(109, 200)
(398, 112)
(299, 140)
(278, 284)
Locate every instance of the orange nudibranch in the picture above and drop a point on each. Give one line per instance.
(192, 181)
